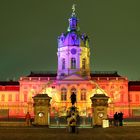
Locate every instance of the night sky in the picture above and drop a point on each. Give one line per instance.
(29, 31)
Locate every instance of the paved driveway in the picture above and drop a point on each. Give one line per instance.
(43, 133)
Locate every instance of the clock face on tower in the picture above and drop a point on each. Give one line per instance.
(100, 114)
(73, 51)
(40, 114)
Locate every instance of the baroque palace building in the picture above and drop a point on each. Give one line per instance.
(73, 75)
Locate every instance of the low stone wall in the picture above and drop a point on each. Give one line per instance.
(12, 124)
(131, 123)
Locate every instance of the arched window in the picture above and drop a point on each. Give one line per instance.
(83, 63)
(73, 90)
(83, 94)
(73, 63)
(63, 63)
(63, 94)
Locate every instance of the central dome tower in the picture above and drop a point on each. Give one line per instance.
(73, 51)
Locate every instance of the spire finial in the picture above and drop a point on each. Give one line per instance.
(73, 9)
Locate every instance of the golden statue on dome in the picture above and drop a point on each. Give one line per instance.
(73, 9)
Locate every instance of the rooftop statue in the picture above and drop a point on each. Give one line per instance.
(73, 98)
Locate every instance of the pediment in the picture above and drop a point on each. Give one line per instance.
(74, 77)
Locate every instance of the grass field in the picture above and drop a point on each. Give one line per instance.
(42, 133)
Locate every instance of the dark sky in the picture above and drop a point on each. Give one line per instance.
(29, 30)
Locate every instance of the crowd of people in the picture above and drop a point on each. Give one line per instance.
(118, 119)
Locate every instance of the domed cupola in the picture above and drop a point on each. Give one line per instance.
(73, 50)
(73, 23)
(73, 37)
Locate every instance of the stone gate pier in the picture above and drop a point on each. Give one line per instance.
(41, 109)
(99, 106)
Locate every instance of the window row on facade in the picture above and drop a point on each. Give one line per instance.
(9, 97)
(136, 97)
(73, 63)
(83, 96)
(73, 90)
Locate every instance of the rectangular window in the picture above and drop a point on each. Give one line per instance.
(17, 97)
(2, 97)
(137, 97)
(25, 97)
(10, 97)
(130, 98)
(83, 96)
(63, 94)
(63, 63)
(83, 63)
(63, 97)
(73, 63)
(122, 98)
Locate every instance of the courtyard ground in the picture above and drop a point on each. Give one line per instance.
(43, 133)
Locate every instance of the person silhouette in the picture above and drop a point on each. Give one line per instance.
(28, 119)
(116, 119)
(120, 118)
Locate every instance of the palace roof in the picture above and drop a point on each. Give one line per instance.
(42, 74)
(134, 86)
(9, 86)
(93, 74)
(9, 83)
(104, 74)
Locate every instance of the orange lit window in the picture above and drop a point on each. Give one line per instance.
(17, 97)
(122, 98)
(25, 97)
(83, 94)
(112, 87)
(130, 98)
(2, 97)
(63, 94)
(10, 97)
(137, 98)
(83, 63)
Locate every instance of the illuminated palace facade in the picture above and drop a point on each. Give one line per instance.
(73, 75)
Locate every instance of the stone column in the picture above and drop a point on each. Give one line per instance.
(41, 109)
(99, 105)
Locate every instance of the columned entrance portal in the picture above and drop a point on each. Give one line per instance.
(43, 115)
(57, 120)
